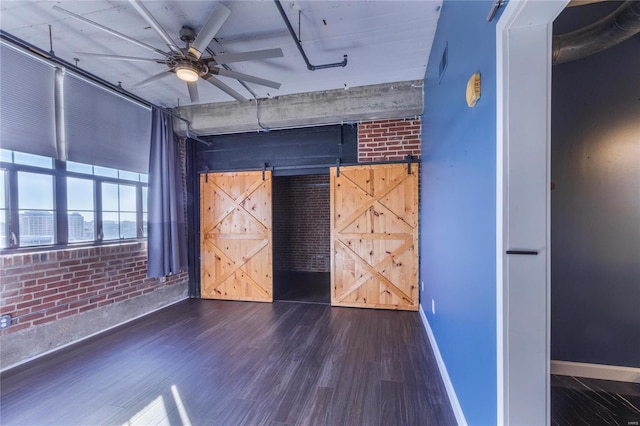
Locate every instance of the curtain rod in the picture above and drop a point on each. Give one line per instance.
(59, 61)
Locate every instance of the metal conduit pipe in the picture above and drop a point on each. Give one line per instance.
(615, 28)
(310, 67)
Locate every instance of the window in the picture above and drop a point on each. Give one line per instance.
(3, 211)
(81, 210)
(32, 160)
(36, 209)
(118, 211)
(58, 203)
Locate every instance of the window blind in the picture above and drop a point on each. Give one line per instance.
(104, 128)
(27, 103)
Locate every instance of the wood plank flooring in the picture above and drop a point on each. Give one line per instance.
(237, 363)
(581, 401)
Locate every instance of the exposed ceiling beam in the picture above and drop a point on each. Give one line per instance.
(380, 101)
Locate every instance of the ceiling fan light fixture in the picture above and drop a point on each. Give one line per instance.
(187, 73)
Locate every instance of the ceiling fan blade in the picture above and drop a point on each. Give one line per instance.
(228, 90)
(142, 10)
(209, 29)
(193, 91)
(228, 58)
(153, 78)
(121, 58)
(110, 31)
(245, 77)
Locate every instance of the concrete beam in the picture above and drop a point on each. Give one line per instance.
(381, 101)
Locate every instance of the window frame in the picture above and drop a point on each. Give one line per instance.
(59, 173)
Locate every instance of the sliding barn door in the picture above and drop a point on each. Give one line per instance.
(374, 236)
(235, 238)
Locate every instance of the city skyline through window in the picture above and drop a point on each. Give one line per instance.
(81, 209)
(39, 210)
(36, 209)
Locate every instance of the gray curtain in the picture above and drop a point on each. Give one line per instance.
(166, 240)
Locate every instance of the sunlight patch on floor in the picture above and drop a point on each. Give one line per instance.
(184, 417)
(155, 413)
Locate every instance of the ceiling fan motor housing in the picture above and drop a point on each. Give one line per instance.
(187, 34)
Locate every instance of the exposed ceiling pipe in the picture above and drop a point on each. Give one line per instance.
(615, 28)
(573, 3)
(310, 67)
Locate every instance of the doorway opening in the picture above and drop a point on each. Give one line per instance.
(301, 238)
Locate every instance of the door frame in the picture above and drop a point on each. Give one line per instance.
(523, 46)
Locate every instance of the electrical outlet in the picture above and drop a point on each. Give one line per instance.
(5, 321)
(433, 306)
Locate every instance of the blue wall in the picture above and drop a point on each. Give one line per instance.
(458, 206)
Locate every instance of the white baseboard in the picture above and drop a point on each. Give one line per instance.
(596, 371)
(451, 392)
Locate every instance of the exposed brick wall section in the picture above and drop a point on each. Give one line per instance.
(301, 224)
(42, 287)
(383, 140)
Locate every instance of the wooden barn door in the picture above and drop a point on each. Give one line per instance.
(374, 236)
(235, 236)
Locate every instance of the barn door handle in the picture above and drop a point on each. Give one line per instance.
(524, 252)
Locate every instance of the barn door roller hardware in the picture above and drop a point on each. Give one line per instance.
(264, 170)
(206, 174)
(299, 45)
(338, 167)
(409, 161)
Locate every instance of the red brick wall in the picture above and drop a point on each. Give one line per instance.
(38, 288)
(301, 227)
(389, 139)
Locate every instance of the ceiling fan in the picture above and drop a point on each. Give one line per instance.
(189, 63)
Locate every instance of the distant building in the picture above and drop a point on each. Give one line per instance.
(36, 227)
(76, 227)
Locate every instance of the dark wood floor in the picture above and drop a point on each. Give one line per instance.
(307, 287)
(580, 401)
(234, 363)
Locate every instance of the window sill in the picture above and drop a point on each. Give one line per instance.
(70, 246)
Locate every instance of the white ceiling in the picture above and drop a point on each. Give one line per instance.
(386, 41)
